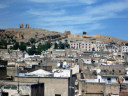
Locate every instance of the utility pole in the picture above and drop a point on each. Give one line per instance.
(18, 76)
(70, 86)
(104, 89)
(38, 89)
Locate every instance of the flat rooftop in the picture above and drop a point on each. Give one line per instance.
(7, 82)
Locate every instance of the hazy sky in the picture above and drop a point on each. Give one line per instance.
(106, 17)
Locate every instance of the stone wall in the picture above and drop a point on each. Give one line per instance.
(98, 89)
(11, 71)
(112, 70)
(112, 89)
(94, 88)
(52, 85)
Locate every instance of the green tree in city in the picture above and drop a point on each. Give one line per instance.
(66, 44)
(112, 43)
(61, 45)
(126, 44)
(22, 36)
(43, 47)
(22, 46)
(28, 44)
(38, 50)
(55, 46)
(16, 46)
(3, 44)
(32, 40)
(32, 50)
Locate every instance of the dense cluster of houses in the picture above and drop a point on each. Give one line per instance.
(86, 69)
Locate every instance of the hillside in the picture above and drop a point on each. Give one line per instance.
(24, 34)
(108, 39)
(97, 37)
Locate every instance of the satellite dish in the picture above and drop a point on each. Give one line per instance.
(120, 79)
(98, 70)
(64, 64)
(58, 64)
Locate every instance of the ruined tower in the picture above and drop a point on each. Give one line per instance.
(27, 26)
(84, 33)
(21, 26)
(67, 33)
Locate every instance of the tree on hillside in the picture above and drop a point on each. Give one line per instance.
(28, 43)
(22, 46)
(112, 43)
(32, 40)
(16, 46)
(22, 36)
(43, 47)
(3, 44)
(43, 34)
(13, 40)
(38, 50)
(66, 44)
(55, 46)
(62, 45)
(32, 50)
(126, 44)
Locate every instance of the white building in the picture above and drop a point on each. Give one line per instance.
(87, 61)
(88, 45)
(124, 49)
(99, 46)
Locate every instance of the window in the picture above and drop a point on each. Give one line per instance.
(109, 79)
(126, 78)
(105, 71)
(119, 71)
(4, 94)
(57, 95)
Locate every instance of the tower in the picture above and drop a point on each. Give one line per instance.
(84, 33)
(67, 33)
(21, 26)
(27, 26)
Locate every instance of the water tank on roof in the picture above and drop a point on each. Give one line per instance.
(98, 70)
(65, 65)
(58, 65)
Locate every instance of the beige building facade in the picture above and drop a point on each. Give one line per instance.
(88, 46)
(52, 86)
